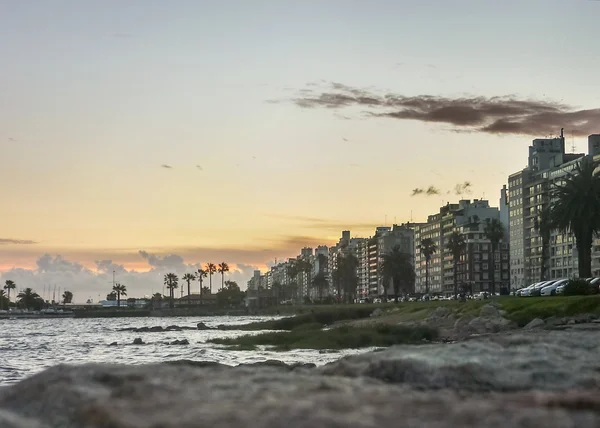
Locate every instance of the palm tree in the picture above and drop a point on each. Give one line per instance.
(543, 225)
(347, 265)
(428, 248)
(201, 274)
(292, 273)
(2, 299)
(576, 204)
(28, 297)
(121, 290)
(456, 245)
(67, 297)
(211, 269)
(397, 267)
(494, 231)
(320, 283)
(189, 277)
(171, 281)
(223, 267)
(9, 285)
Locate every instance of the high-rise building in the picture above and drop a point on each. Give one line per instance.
(468, 218)
(530, 191)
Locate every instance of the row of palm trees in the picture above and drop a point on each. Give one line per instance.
(171, 280)
(27, 298)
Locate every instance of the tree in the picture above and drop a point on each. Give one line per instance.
(9, 285)
(171, 281)
(575, 208)
(428, 248)
(112, 296)
(321, 283)
(201, 274)
(3, 300)
(397, 267)
(230, 295)
(211, 269)
(222, 269)
(189, 277)
(276, 290)
(347, 265)
(292, 273)
(29, 299)
(542, 223)
(337, 284)
(156, 299)
(67, 297)
(456, 245)
(494, 231)
(121, 290)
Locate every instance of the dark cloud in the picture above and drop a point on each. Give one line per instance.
(166, 166)
(493, 115)
(168, 261)
(6, 241)
(462, 188)
(430, 191)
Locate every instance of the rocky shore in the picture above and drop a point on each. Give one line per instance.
(518, 378)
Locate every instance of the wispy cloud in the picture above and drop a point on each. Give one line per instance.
(7, 241)
(493, 115)
(459, 189)
(199, 167)
(166, 166)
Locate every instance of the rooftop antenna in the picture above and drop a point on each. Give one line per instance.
(573, 148)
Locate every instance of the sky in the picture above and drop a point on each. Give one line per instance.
(237, 131)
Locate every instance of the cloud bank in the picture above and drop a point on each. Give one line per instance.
(7, 241)
(54, 271)
(493, 115)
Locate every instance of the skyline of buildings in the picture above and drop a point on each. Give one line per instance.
(518, 256)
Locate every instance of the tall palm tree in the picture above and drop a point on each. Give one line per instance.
(397, 267)
(9, 285)
(321, 283)
(292, 273)
(347, 265)
(67, 297)
(2, 299)
(121, 290)
(28, 297)
(189, 277)
(211, 268)
(542, 223)
(575, 208)
(222, 269)
(428, 248)
(171, 281)
(201, 274)
(456, 245)
(494, 231)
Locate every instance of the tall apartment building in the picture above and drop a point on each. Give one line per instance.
(468, 218)
(530, 190)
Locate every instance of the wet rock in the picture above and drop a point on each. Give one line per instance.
(554, 321)
(584, 318)
(485, 325)
(377, 313)
(517, 360)
(202, 326)
(535, 323)
(489, 310)
(180, 342)
(10, 420)
(173, 328)
(138, 341)
(439, 312)
(113, 344)
(156, 329)
(100, 396)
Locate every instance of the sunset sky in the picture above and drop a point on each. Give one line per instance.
(241, 131)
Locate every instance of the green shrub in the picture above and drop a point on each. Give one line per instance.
(579, 287)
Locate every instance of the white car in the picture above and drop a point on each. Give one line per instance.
(550, 290)
(525, 292)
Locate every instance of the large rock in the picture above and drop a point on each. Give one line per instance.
(519, 360)
(377, 313)
(489, 310)
(185, 396)
(535, 323)
(485, 325)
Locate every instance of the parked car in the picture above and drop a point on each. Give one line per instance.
(550, 290)
(536, 290)
(525, 292)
